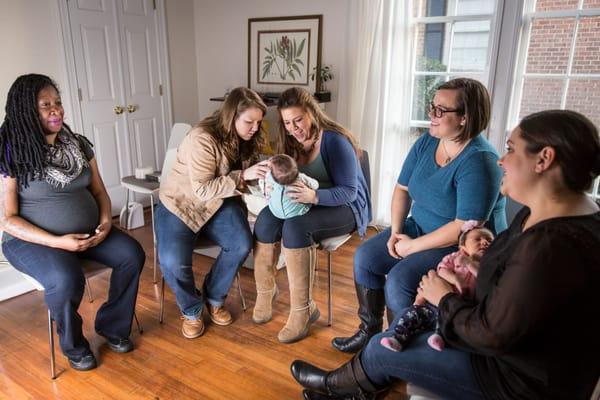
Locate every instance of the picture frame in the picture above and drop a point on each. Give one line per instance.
(283, 52)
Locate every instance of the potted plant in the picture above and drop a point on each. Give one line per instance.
(323, 74)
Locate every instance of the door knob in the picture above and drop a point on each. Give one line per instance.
(118, 110)
(131, 108)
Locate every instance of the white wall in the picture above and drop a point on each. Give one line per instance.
(31, 43)
(182, 53)
(222, 41)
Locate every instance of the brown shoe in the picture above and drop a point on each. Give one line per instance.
(192, 328)
(219, 315)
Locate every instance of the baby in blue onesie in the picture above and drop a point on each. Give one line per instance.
(284, 172)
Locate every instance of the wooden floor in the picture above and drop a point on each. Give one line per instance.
(241, 361)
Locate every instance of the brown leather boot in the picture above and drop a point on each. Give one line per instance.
(300, 265)
(266, 256)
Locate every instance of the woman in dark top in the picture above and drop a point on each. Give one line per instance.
(327, 152)
(532, 329)
(55, 211)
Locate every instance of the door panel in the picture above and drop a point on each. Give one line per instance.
(97, 63)
(106, 139)
(116, 45)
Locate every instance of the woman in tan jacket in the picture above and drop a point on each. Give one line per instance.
(202, 197)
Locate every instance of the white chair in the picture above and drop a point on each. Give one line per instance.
(142, 186)
(178, 132)
(202, 244)
(333, 243)
(90, 269)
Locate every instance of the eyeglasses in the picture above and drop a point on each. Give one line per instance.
(439, 112)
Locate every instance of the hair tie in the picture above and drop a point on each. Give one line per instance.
(469, 225)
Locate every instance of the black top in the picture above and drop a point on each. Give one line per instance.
(534, 325)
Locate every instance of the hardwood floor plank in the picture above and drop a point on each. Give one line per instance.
(241, 361)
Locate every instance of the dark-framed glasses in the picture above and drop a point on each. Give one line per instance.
(439, 112)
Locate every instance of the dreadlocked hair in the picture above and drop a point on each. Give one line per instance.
(23, 146)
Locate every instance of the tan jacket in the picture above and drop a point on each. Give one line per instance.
(199, 180)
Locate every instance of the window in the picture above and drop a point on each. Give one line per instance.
(559, 62)
(560, 59)
(452, 38)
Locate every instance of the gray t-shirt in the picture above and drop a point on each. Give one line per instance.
(71, 209)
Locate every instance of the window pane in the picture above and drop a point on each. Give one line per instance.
(470, 46)
(587, 46)
(437, 8)
(424, 90)
(549, 45)
(584, 96)
(591, 3)
(546, 5)
(540, 94)
(472, 7)
(431, 49)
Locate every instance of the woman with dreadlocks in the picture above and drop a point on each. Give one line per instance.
(55, 211)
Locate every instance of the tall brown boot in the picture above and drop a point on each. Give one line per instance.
(300, 265)
(265, 256)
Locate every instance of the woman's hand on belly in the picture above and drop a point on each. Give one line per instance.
(100, 234)
(73, 242)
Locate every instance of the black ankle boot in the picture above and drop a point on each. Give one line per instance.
(371, 304)
(346, 382)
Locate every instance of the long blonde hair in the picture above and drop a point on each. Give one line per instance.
(298, 97)
(221, 125)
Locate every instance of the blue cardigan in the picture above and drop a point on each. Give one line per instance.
(349, 184)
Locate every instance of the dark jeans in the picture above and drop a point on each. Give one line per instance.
(228, 228)
(303, 231)
(60, 273)
(374, 268)
(446, 373)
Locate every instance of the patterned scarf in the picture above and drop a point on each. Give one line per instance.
(65, 160)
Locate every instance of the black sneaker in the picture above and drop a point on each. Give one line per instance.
(84, 363)
(118, 345)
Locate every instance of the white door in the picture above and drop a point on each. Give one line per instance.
(115, 48)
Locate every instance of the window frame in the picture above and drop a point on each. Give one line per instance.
(487, 75)
(528, 17)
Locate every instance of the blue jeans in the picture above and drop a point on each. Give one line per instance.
(59, 272)
(374, 268)
(228, 228)
(318, 223)
(446, 373)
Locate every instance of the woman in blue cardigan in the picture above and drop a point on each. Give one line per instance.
(327, 152)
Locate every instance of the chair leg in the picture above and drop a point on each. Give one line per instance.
(139, 326)
(153, 239)
(239, 282)
(162, 300)
(329, 288)
(89, 290)
(51, 341)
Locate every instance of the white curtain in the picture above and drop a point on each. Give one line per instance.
(376, 93)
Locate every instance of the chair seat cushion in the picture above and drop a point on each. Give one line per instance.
(333, 243)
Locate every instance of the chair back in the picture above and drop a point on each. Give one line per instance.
(365, 167)
(178, 132)
(167, 164)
